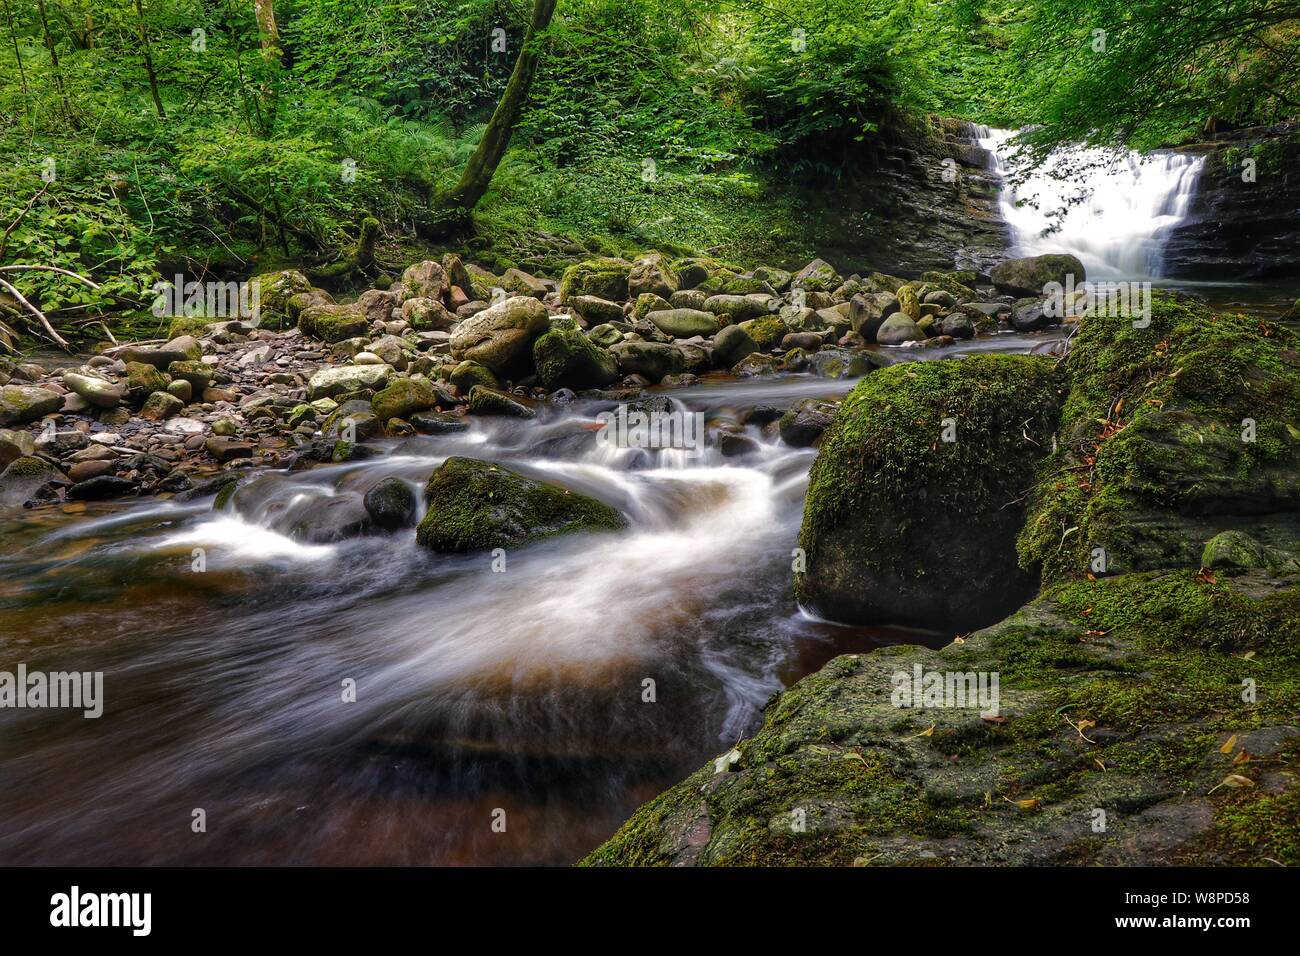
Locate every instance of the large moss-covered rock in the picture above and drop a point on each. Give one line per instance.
(1028, 276)
(1173, 433)
(20, 404)
(401, 397)
(475, 505)
(333, 323)
(817, 276)
(903, 526)
(654, 360)
(565, 357)
(1122, 695)
(274, 290)
(501, 336)
(604, 278)
(651, 273)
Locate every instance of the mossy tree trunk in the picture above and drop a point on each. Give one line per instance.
(148, 61)
(456, 204)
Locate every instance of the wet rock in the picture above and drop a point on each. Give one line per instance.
(99, 392)
(227, 449)
(1028, 315)
(802, 425)
(487, 401)
(85, 470)
(161, 405)
(741, 307)
(329, 382)
(29, 478)
(438, 423)
(428, 315)
(476, 506)
(958, 326)
(565, 357)
(181, 389)
(684, 323)
(101, 487)
(1029, 276)
(501, 337)
(605, 335)
(142, 380)
(808, 341)
(391, 504)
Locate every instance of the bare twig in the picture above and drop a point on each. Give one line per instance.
(52, 335)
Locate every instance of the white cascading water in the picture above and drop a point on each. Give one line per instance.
(1113, 211)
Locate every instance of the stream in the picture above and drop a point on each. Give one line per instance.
(476, 691)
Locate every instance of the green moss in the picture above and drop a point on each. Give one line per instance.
(564, 356)
(605, 278)
(766, 332)
(476, 506)
(1151, 445)
(891, 503)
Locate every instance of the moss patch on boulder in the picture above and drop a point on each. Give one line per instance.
(912, 509)
(475, 505)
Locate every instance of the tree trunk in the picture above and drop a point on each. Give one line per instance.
(265, 12)
(474, 181)
(13, 35)
(272, 56)
(54, 65)
(148, 61)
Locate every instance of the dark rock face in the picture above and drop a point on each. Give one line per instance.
(1236, 229)
(920, 201)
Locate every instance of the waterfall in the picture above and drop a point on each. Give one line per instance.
(1113, 210)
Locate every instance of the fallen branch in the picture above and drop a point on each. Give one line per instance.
(53, 336)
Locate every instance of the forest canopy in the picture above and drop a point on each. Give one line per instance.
(144, 134)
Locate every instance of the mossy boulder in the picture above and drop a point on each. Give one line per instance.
(766, 332)
(274, 290)
(565, 357)
(501, 337)
(817, 276)
(332, 323)
(142, 380)
(29, 478)
(468, 374)
(488, 401)
(684, 323)
(915, 499)
(1029, 276)
(596, 310)
(401, 397)
(1173, 433)
(475, 506)
(1122, 695)
(604, 278)
(20, 404)
(654, 360)
(654, 274)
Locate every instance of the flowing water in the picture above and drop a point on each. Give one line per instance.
(1112, 209)
(476, 690)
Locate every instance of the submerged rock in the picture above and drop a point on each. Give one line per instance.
(391, 504)
(474, 506)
